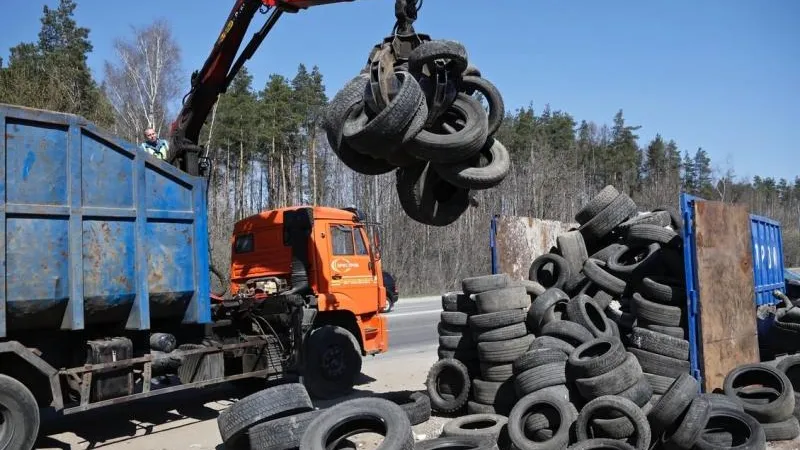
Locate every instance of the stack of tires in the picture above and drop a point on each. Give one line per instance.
(455, 339)
(499, 329)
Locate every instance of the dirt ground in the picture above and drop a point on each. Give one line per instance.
(189, 421)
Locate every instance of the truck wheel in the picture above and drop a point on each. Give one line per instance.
(333, 361)
(19, 415)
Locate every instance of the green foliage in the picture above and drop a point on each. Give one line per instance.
(52, 73)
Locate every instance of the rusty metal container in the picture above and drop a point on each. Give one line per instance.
(95, 230)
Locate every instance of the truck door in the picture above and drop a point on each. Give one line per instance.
(351, 267)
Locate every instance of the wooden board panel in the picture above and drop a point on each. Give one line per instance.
(728, 335)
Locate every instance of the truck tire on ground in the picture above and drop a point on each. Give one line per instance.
(20, 415)
(332, 362)
(272, 403)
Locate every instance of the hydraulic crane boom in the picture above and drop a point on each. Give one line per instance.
(221, 67)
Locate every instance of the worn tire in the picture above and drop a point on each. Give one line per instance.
(777, 410)
(685, 432)
(626, 407)
(458, 302)
(632, 272)
(673, 403)
(608, 282)
(538, 357)
(504, 351)
(506, 333)
(356, 416)
(268, 404)
(456, 376)
(454, 147)
(648, 234)
(540, 377)
(499, 394)
(570, 332)
(417, 405)
(598, 203)
(541, 310)
(659, 343)
(782, 431)
(656, 313)
(616, 380)
(485, 428)
(544, 403)
(585, 312)
(463, 443)
(495, 320)
(659, 364)
(560, 267)
(665, 290)
(455, 319)
(596, 357)
(470, 174)
(496, 372)
(492, 96)
(429, 51)
(747, 433)
(20, 411)
(281, 434)
(476, 285)
(619, 210)
(503, 299)
(551, 342)
(791, 367)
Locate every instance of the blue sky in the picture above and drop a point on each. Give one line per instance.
(722, 75)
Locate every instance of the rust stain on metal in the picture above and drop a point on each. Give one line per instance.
(521, 239)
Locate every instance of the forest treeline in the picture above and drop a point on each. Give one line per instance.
(267, 151)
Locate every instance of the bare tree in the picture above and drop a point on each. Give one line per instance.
(144, 80)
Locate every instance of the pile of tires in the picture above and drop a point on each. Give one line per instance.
(420, 119)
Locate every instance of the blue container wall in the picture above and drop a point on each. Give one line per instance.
(95, 230)
(767, 259)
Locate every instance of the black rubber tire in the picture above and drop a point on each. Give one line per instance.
(269, 404)
(648, 234)
(463, 354)
(454, 147)
(453, 443)
(450, 330)
(504, 351)
(790, 365)
(598, 203)
(596, 357)
(458, 302)
(606, 252)
(356, 416)
(608, 282)
(723, 401)
(540, 377)
(777, 410)
(463, 342)
(498, 319)
(496, 372)
(456, 319)
(533, 288)
(541, 402)
(665, 290)
(676, 332)
(616, 380)
(500, 395)
(659, 343)
(455, 374)
(601, 444)
(429, 51)
(619, 210)
(541, 311)
(485, 428)
(570, 332)
(338, 380)
(538, 357)
(782, 431)
(408, 185)
(676, 221)
(685, 431)
(333, 122)
(476, 285)
(673, 403)
(640, 393)
(492, 96)
(585, 312)
(20, 414)
(618, 264)
(553, 343)
(626, 407)
(471, 174)
(417, 405)
(656, 313)
(747, 433)
(280, 434)
(573, 250)
(380, 135)
(659, 364)
(503, 299)
(660, 218)
(514, 331)
(560, 268)
(479, 408)
(659, 384)
(441, 203)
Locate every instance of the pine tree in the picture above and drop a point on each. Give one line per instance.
(689, 177)
(703, 175)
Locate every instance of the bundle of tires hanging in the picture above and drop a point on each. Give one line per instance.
(419, 118)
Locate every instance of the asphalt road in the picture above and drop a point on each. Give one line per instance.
(412, 324)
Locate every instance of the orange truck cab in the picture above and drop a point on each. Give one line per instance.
(332, 256)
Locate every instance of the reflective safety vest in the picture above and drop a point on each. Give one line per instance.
(159, 150)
